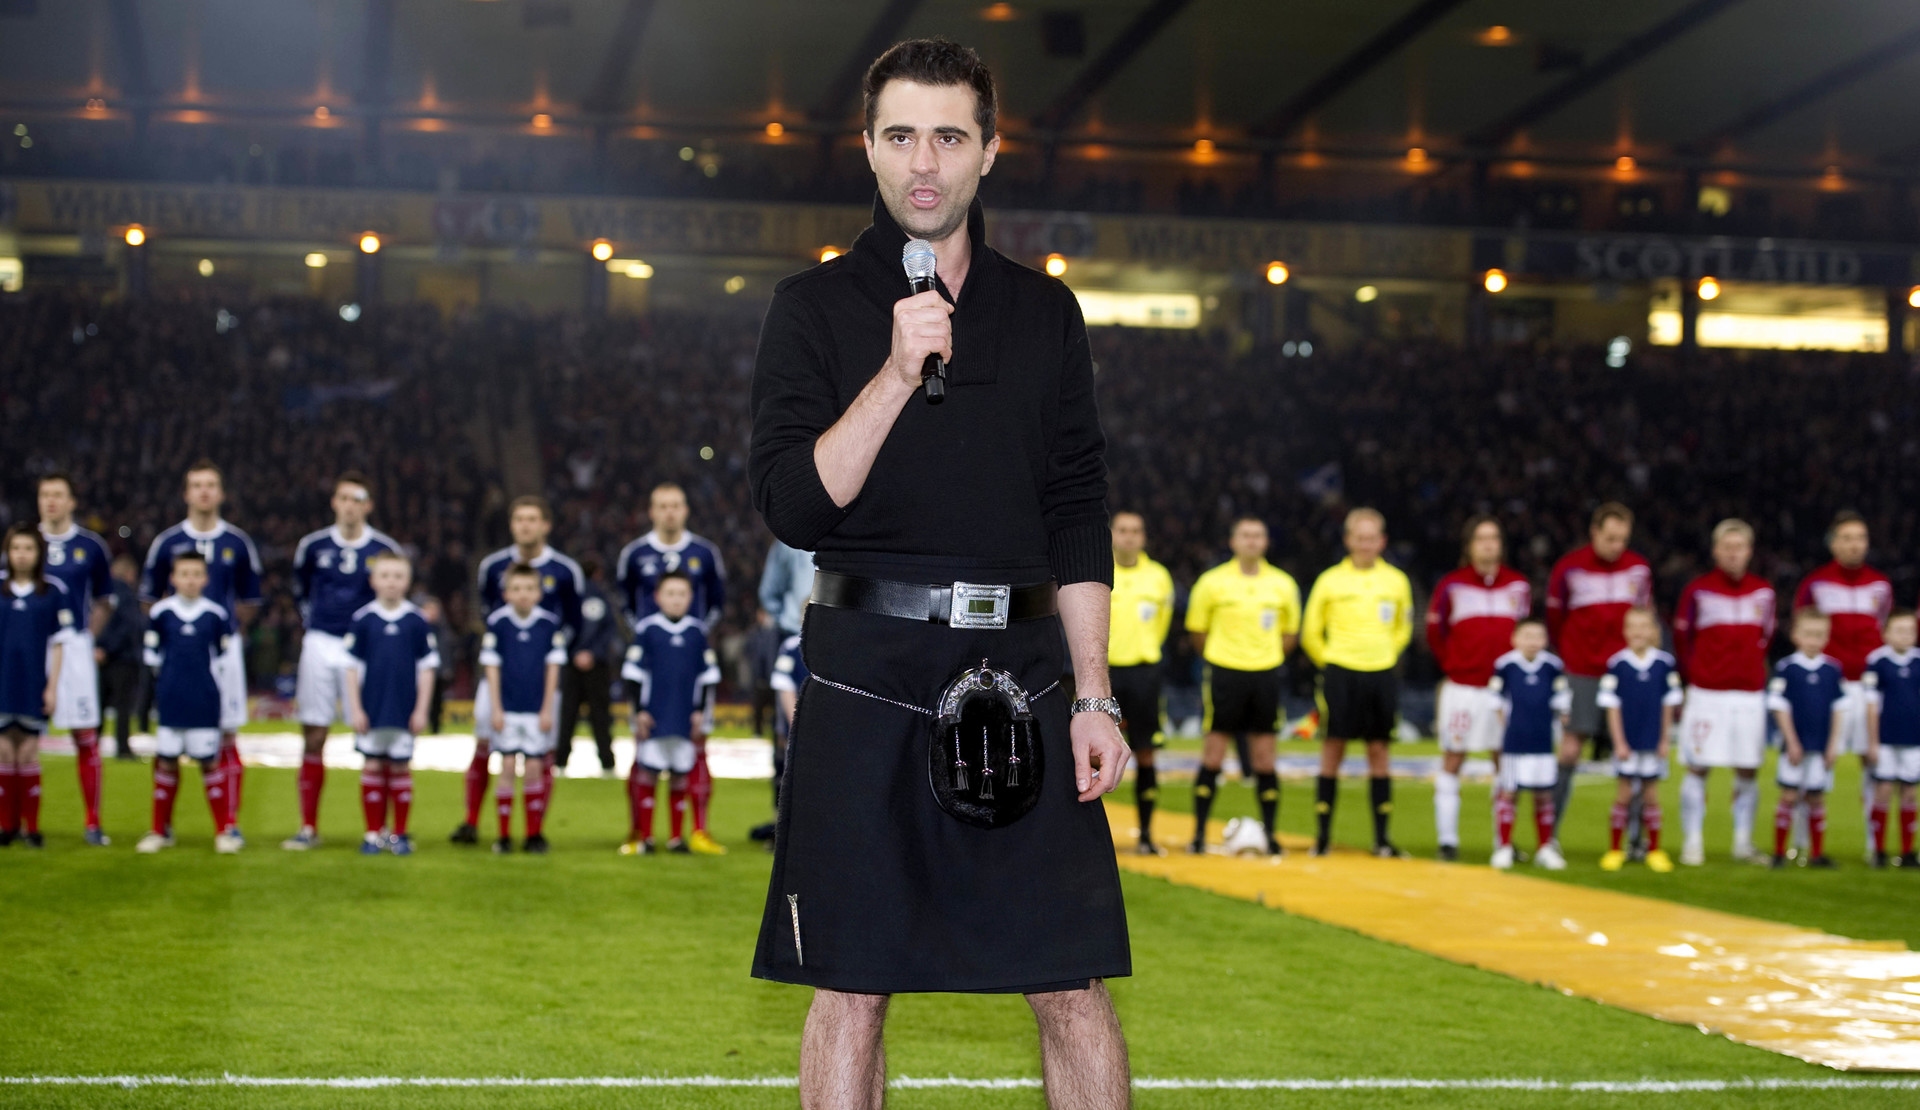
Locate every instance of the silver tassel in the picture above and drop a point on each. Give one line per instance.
(959, 764)
(1013, 755)
(986, 766)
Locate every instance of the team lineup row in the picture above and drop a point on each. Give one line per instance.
(1532, 691)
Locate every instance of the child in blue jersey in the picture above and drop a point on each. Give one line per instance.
(187, 639)
(674, 673)
(36, 625)
(1893, 734)
(1641, 695)
(389, 687)
(1532, 685)
(1808, 698)
(522, 653)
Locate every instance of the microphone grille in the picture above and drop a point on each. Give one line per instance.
(917, 258)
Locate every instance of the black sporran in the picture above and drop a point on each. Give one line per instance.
(984, 763)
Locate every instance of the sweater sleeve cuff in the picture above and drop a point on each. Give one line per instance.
(802, 512)
(1081, 553)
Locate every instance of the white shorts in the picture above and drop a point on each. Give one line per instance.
(1528, 771)
(665, 754)
(321, 689)
(385, 743)
(483, 712)
(76, 699)
(1852, 739)
(1901, 765)
(230, 674)
(1640, 765)
(1723, 728)
(524, 736)
(194, 743)
(1812, 773)
(1468, 719)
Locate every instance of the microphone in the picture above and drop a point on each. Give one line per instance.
(917, 259)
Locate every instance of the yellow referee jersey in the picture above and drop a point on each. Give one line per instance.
(1359, 619)
(1142, 610)
(1244, 615)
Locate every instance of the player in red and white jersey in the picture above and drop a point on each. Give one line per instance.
(1588, 595)
(1856, 598)
(1721, 630)
(1469, 625)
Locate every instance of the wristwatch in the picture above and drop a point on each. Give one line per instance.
(1109, 706)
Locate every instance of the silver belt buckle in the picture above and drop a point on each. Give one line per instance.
(976, 606)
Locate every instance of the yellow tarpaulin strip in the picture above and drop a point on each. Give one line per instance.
(1845, 1003)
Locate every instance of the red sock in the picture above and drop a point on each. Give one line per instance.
(1877, 827)
(533, 798)
(1782, 827)
(9, 801)
(642, 788)
(236, 773)
(1543, 816)
(700, 789)
(1907, 816)
(86, 751)
(1817, 829)
(476, 783)
(677, 799)
(1503, 820)
(166, 784)
(219, 801)
(373, 798)
(400, 791)
(1650, 824)
(633, 803)
(1617, 825)
(313, 776)
(503, 801)
(26, 780)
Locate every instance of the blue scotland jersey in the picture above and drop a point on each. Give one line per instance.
(1641, 687)
(233, 566)
(562, 585)
(1893, 682)
(183, 640)
(1535, 694)
(79, 559)
(522, 647)
(643, 561)
(790, 669)
(674, 673)
(330, 577)
(391, 647)
(29, 622)
(1807, 690)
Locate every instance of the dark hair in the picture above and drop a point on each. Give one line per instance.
(1473, 525)
(1809, 613)
(672, 575)
(55, 476)
(521, 570)
(1896, 614)
(1611, 510)
(936, 62)
(353, 478)
(1840, 520)
(1525, 621)
(1245, 518)
(39, 557)
(191, 555)
(205, 464)
(529, 501)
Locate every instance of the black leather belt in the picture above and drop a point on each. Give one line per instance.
(960, 605)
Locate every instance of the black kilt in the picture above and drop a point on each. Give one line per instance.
(1361, 705)
(892, 894)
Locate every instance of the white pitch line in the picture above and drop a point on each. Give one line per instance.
(1361, 1083)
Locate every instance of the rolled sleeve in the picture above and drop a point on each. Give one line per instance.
(793, 404)
(1074, 509)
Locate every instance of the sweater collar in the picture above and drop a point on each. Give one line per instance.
(882, 241)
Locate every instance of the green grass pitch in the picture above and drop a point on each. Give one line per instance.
(585, 963)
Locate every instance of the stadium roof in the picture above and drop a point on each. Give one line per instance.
(1784, 84)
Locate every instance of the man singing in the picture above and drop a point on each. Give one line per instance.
(941, 826)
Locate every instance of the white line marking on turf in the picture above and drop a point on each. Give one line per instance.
(1147, 1083)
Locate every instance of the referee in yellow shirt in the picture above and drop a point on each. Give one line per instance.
(1359, 619)
(1142, 610)
(1244, 616)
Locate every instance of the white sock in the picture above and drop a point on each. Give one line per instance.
(1746, 799)
(1446, 807)
(1693, 808)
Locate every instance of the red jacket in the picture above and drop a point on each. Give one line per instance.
(1470, 622)
(1858, 601)
(1587, 603)
(1721, 630)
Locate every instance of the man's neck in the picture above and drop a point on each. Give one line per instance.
(1842, 563)
(1362, 563)
(1641, 651)
(203, 521)
(1250, 567)
(392, 603)
(1530, 658)
(54, 526)
(953, 257)
(523, 614)
(193, 600)
(529, 554)
(350, 532)
(1125, 558)
(669, 538)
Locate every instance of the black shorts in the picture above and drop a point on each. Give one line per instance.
(1137, 689)
(1244, 701)
(1361, 705)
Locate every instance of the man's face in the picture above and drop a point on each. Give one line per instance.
(928, 155)
(1610, 538)
(530, 526)
(1485, 546)
(1849, 545)
(667, 510)
(204, 491)
(351, 505)
(1249, 540)
(56, 502)
(1129, 535)
(1366, 540)
(1732, 552)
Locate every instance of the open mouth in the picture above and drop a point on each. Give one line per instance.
(923, 197)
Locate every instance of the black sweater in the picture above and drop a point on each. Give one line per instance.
(1005, 482)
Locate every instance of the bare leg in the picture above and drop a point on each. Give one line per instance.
(843, 1059)
(1083, 1054)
